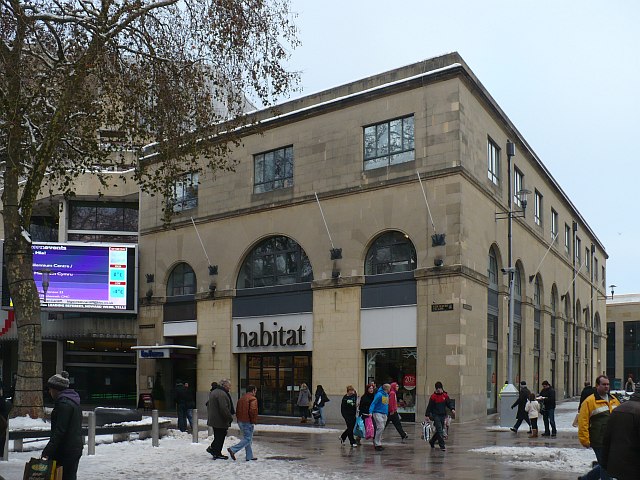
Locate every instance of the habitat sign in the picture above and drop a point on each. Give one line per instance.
(279, 333)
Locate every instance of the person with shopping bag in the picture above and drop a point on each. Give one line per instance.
(348, 410)
(379, 410)
(66, 442)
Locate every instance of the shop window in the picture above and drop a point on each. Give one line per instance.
(391, 252)
(275, 261)
(395, 365)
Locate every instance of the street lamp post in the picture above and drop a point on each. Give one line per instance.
(45, 282)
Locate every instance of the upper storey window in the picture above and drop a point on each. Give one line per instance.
(493, 162)
(389, 143)
(518, 184)
(275, 261)
(182, 281)
(391, 252)
(185, 192)
(273, 170)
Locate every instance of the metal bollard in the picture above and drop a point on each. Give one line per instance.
(155, 430)
(194, 433)
(91, 443)
(5, 456)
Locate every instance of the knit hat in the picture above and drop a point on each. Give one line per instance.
(59, 381)
(523, 383)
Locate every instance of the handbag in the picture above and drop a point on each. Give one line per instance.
(368, 428)
(358, 429)
(41, 469)
(315, 413)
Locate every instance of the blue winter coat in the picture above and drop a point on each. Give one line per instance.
(380, 402)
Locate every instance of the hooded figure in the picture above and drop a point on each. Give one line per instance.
(66, 442)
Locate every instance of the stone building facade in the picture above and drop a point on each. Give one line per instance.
(623, 339)
(318, 260)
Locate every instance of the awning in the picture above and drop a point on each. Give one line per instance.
(163, 351)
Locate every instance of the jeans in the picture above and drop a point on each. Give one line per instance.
(380, 421)
(549, 417)
(597, 473)
(438, 436)
(247, 439)
(320, 421)
(395, 419)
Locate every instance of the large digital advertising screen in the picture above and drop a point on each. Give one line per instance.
(84, 277)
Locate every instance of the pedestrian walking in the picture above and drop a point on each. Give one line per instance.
(630, 386)
(592, 420)
(533, 412)
(621, 444)
(436, 412)
(190, 405)
(219, 417)
(521, 402)
(247, 416)
(548, 407)
(586, 391)
(394, 416)
(348, 409)
(181, 400)
(66, 442)
(304, 400)
(365, 403)
(320, 399)
(379, 409)
(5, 407)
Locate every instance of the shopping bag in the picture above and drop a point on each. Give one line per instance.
(41, 469)
(368, 428)
(426, 431)
(316, 413)
(359, 429)
(575, 421)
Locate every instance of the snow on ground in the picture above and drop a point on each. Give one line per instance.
(178, 458)
(544, 457)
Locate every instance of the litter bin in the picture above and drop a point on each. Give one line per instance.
(508, 396)
(145, 401)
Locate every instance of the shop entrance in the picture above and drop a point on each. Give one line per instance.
(278, 377)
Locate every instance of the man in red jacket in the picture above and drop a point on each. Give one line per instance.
(247, 415)
(437, 411)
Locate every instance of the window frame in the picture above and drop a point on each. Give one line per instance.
(383, 151)
(518, 184)
(554, 226)
(578, 250)
(567, 239)
(188, 200)
(183, 287)
(493, 162)
(392, 240)
(537, 208)
(284, 163)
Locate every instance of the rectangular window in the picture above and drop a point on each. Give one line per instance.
(567, 239)
(518, 184)
(554, 226)
(604, 279)
(577, 249)
(587, 258)
(389, 143)
(185, 192)
(537, 208)
(273, 170)
(595, 269)
(493, 162)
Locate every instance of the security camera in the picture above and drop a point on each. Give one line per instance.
(438, 262)
(508, 270)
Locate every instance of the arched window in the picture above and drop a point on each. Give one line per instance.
(554, 306)
(492, 331)
(596, 331)
(182, 281)
(537, 299)
(391, 252)
(517, 322)
(275, 261)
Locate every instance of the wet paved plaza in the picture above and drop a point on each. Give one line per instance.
(414, 458)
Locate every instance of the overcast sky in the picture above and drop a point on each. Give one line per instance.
(565, 72)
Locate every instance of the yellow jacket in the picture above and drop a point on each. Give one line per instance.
(592, 419)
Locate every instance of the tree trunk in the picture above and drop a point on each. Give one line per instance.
(19, 265)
